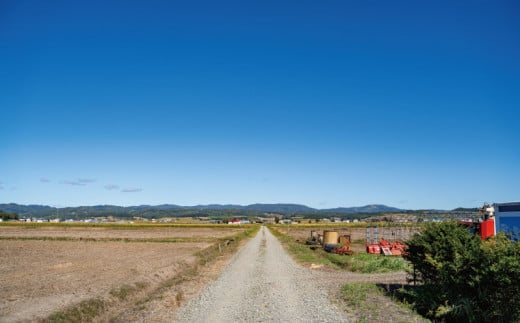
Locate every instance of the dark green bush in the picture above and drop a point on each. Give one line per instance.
(464, 279)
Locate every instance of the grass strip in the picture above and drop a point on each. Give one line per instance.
(85, 311)
(302, 252)
(356, 294)
(368, 264)
(359, 262)
(125, 291)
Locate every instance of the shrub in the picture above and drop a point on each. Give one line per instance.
(463, 278)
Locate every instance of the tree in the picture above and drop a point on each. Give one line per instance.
(463, 278)
(8, 216)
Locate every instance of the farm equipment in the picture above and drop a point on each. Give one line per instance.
(372, 245)
(394, 248)
(344, 246)
(315, 238)
(331, 242)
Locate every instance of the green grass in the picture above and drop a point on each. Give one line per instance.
(301, 252)
(356, 294)
(366, 303)
(359, 262)
(369, 264)
(361, 299)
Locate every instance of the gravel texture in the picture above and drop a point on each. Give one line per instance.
(262, 284)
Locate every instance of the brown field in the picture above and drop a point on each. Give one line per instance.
(113, 232)
(42, 275)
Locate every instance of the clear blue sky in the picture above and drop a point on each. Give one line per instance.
(413, 104)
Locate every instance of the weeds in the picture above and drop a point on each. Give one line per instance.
(356, 294)
(83, 312)
(369, 264)
(301, 252)
(123, 292)
(361, 262)
(179, 298)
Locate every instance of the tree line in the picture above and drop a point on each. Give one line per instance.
(8, 216)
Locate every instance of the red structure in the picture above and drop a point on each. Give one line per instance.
(482, 229)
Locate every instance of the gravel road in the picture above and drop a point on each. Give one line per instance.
(262, 284)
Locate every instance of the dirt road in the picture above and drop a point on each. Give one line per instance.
(262, 284)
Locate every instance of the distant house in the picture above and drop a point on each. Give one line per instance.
(268, 220)
(234, 221)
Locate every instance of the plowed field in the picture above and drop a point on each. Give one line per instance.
(46, 269)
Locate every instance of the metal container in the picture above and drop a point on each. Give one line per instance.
(330, 237)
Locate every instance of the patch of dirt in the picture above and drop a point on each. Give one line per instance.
(122, 233)
(46, 276)
(163, 306)
(378, 308)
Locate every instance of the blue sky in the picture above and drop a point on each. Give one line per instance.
(412, 104)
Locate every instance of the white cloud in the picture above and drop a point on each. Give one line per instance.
(86, 180)
(131, 190)
(111, 187)
(73, 183)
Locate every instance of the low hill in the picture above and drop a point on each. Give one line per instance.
(173, 210)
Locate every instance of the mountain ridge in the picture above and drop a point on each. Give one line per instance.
(286, 208)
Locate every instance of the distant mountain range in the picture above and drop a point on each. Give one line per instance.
(44, 210)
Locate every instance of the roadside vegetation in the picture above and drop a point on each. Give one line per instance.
(369, 302)
(358, 262)
(461, 278)
(368, 264)
(364, 301)
(456, 277)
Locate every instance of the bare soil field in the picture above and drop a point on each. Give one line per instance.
(55, 268)
(112, 232)
(45, 276)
